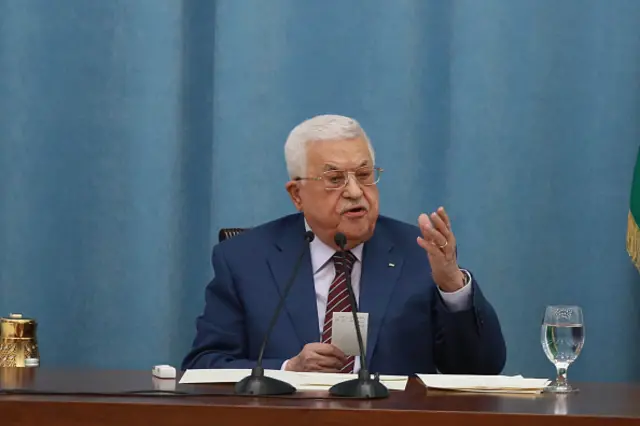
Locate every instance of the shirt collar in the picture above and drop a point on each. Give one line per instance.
(322, 253)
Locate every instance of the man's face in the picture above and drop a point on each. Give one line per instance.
(353, 209)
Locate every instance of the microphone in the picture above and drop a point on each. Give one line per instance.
(364, 386)
(257, 383)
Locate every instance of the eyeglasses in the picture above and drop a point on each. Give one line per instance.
(338, 179)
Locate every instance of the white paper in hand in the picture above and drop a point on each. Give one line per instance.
(343, 332)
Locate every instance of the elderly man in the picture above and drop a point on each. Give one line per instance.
(425, 313)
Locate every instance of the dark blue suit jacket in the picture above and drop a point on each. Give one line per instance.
(410, 328)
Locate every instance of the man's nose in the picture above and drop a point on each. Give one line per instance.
(353, 188)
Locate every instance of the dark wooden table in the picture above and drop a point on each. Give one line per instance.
(109, 404)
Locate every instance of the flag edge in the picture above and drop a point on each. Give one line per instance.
(633, 240)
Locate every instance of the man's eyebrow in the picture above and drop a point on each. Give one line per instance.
(330, 167)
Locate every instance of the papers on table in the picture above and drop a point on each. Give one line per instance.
(323, 381)
(301, 381)
(477, 383)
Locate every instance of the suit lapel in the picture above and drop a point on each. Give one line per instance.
(300, 305)
(381, 267)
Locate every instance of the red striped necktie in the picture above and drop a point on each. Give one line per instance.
(338, 299)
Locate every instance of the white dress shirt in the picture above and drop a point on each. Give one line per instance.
(324, 273)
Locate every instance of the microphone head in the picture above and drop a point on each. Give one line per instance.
(340, 239)
(309, 236)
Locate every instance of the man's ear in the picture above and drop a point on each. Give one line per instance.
(294, 192)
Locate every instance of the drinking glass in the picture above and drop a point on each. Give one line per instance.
(562, 338)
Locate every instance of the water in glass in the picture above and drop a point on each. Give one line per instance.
(562, 337)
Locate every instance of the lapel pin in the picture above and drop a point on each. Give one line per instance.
(391, 265)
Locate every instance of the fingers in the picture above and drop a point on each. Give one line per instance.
(423, 221)
(322, 357)
(440, 225)
(431, 234)
(437, 237)
(445, 217)
(441, 221)
(328, 362)
(430, 247)
(321, 363)
(326, 349)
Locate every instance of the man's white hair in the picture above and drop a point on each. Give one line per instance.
(319, 128)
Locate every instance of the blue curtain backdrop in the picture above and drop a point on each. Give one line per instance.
(132, 130)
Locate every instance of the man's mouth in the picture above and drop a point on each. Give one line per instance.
(357, 211)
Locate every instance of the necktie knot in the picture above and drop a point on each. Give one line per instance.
(339, 261)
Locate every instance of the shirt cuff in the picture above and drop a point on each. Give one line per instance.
(458, 300)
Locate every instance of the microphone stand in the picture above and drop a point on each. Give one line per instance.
(257, 383)
(364, 386)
